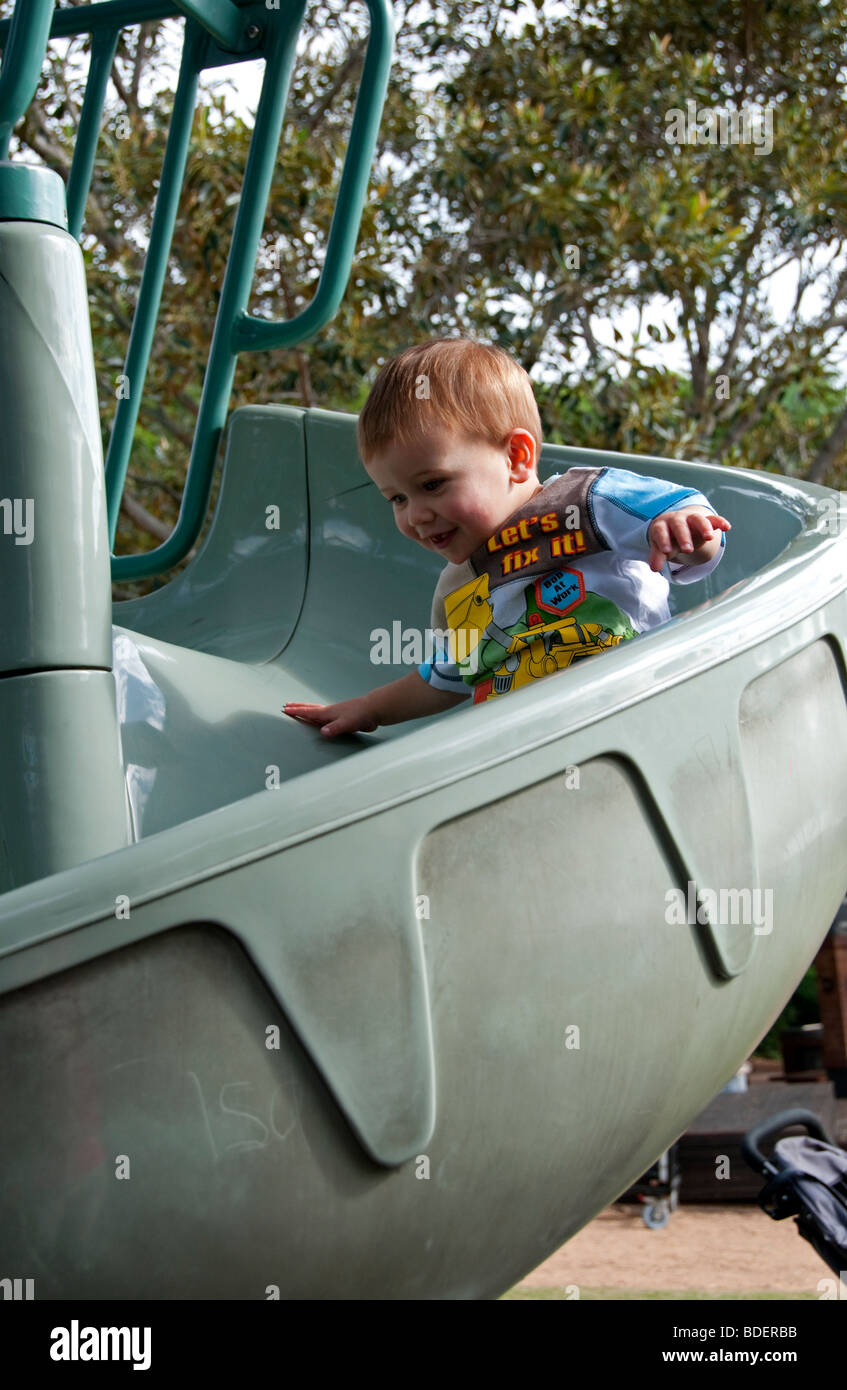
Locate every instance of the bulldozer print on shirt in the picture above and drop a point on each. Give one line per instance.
(560, 623)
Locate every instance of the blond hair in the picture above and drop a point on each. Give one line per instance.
(474, 389)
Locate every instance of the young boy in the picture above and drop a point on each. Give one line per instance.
(537, 575)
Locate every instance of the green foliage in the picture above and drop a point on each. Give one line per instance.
(802, 1007)
(524, 191)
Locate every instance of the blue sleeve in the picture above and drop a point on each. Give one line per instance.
(623, 504)
(444, 674)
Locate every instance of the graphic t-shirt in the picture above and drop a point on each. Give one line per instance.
(565, 577)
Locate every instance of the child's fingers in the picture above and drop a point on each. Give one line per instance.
(322, 717)
(682, 532)
(307, 714)
(701, 528)
(690, 531)
(703, 525)
(660, 544)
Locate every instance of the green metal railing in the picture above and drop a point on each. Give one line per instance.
(217, 32)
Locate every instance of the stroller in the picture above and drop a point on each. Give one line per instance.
(807, 1179)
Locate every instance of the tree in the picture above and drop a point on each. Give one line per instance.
(558, 137)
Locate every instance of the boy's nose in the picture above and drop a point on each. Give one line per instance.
(419, 513)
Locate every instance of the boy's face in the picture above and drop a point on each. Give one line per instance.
(450, 493)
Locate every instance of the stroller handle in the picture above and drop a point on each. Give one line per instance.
(784, 1120)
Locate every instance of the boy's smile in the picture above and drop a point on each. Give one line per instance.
(450, 493)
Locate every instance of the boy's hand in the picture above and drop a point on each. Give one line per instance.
(347, 717)
(689, 536)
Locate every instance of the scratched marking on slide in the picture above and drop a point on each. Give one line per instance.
(242, 1145)
(268, 1127)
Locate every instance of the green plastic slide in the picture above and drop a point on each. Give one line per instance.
(389, 1015)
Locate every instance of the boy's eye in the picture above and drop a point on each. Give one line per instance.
(427, 487)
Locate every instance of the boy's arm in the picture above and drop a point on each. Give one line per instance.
(627, 509)
(411, 697)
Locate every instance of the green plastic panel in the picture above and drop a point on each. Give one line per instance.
(62, 792)
(31, 193)
(242, 594)
(54, 553)
(432, 999)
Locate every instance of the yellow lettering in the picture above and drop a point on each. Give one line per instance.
(509, 535)
(572, 544)
(521, 558)
(549, 522)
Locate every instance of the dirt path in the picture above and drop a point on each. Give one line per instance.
(732, 1249)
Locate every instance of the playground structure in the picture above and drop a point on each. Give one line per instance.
(388, 1016)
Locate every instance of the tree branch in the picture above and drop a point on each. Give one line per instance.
(144, 33)
(746, 420)
(121, 90)
(183, 437)
(306, 391)
(829, 452)
(353, 59)
(142, 480)
(145, 520)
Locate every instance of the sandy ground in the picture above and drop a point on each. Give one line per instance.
(731, 1249)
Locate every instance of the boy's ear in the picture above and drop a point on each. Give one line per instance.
(522, 455)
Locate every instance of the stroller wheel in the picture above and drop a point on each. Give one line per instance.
(657, 1215)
